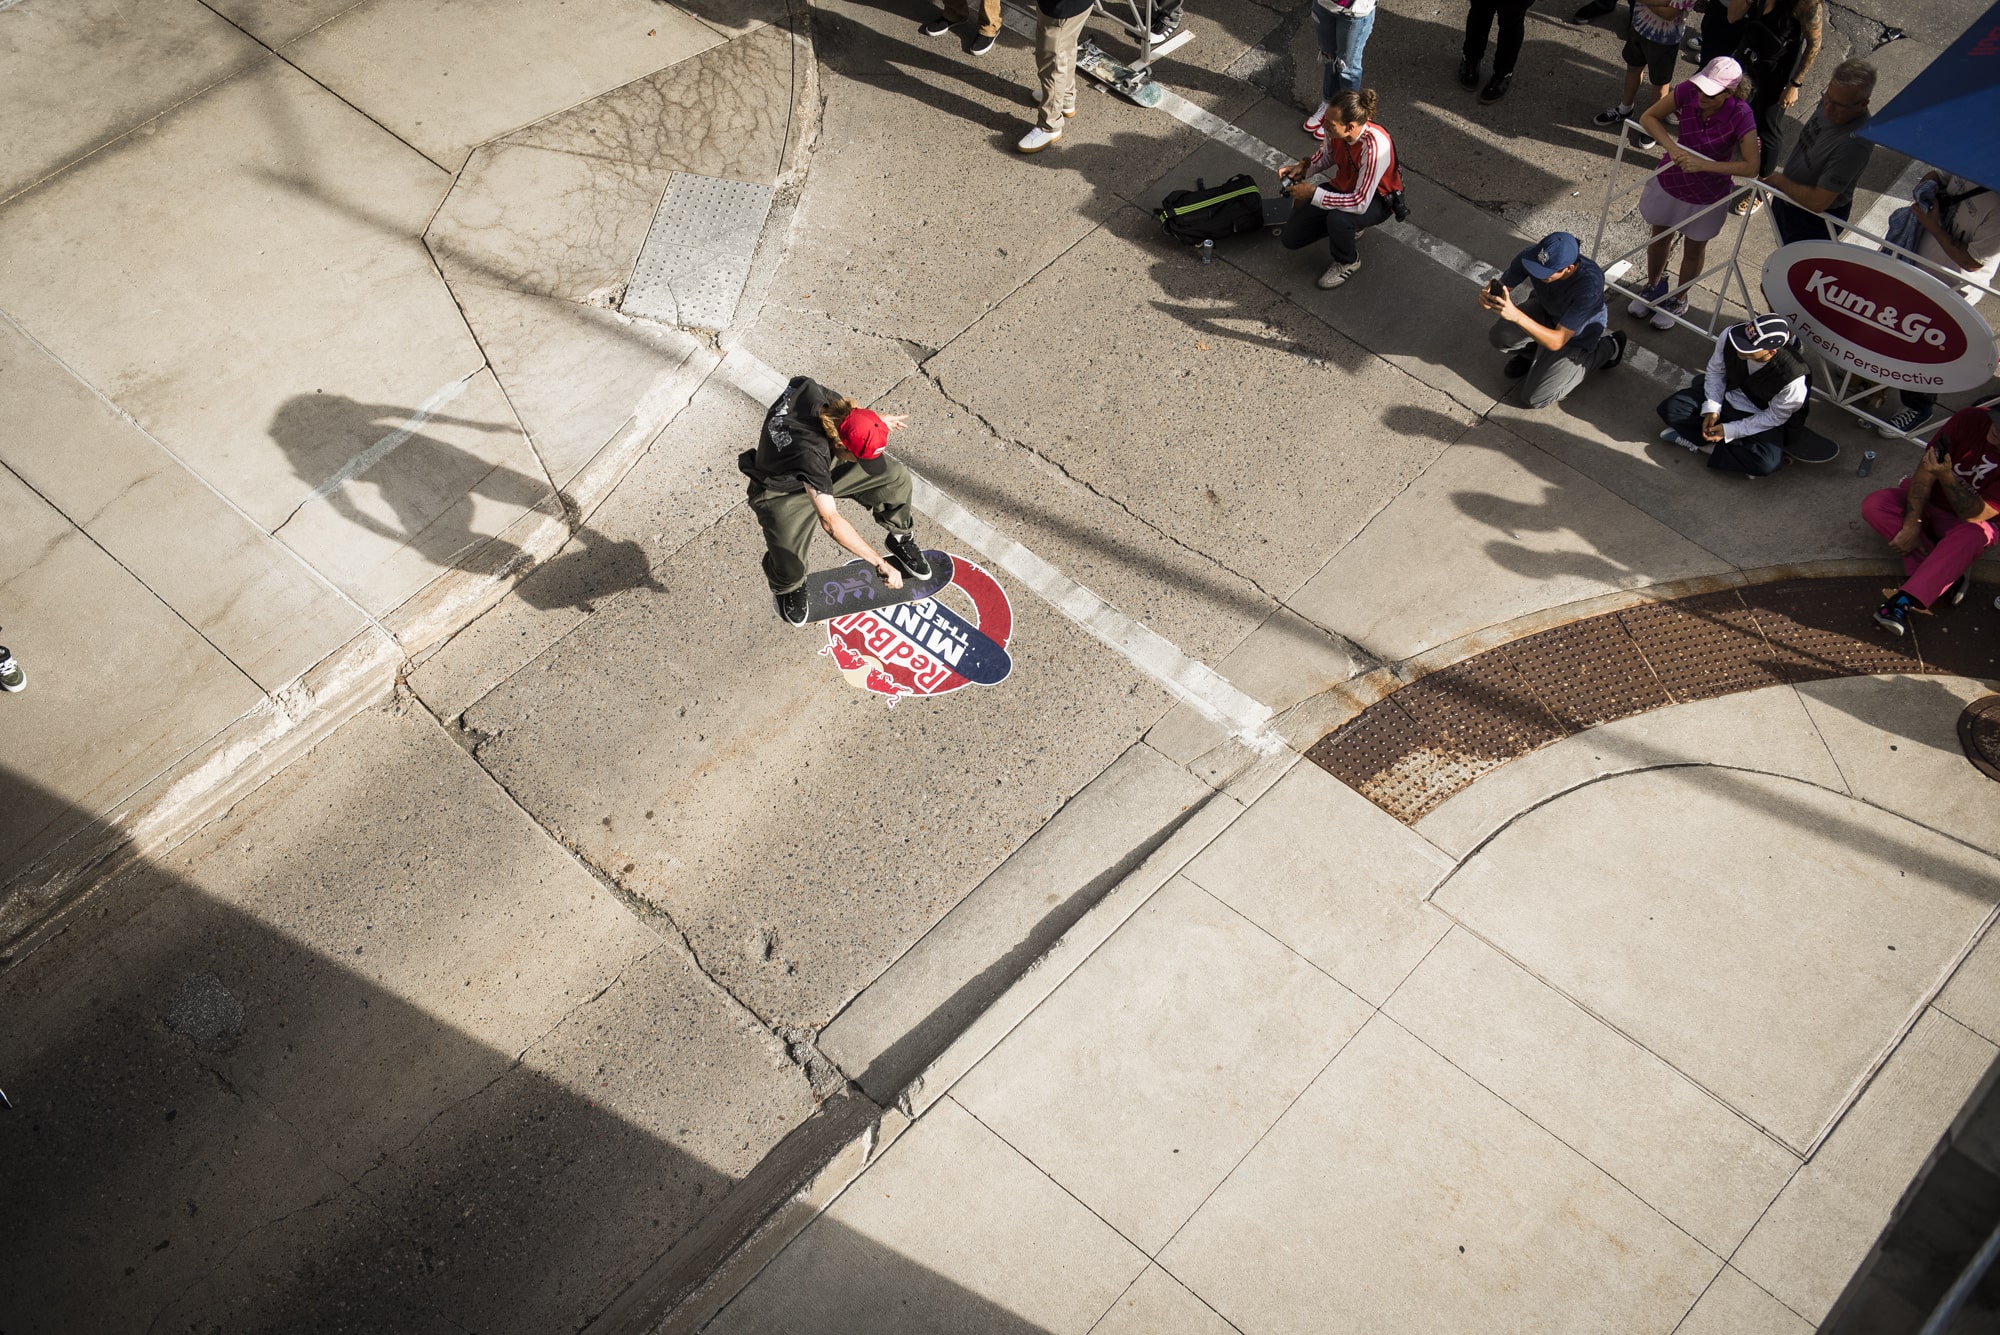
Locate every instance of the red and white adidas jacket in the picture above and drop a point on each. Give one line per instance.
(1359, 170)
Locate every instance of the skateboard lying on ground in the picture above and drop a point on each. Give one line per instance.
(856, 587)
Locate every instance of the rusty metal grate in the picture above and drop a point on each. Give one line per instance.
(1411, 750)
(1821, 628)
(1979, 734)
(1589, 672)
(1701, 647)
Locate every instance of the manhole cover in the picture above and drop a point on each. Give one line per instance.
(1979, 734)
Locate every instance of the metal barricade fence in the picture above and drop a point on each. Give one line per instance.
(1845, 389)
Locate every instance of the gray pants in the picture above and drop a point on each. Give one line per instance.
(789, 518)
(1554, 374)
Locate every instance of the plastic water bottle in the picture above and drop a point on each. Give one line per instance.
(1208, 252)
(1867, 464)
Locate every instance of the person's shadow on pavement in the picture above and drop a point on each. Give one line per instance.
(339, 446)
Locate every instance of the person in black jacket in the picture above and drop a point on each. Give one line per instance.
(1749, 405)
(1058, 27)
(815, 448)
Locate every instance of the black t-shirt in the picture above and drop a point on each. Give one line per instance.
(792, 451)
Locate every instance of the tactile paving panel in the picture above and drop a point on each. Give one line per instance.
(1414, 748)
(1589, 672)
(1962, 641)
(1821, 628)
(1702, 647)
(696, 258)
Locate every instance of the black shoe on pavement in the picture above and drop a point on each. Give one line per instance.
(1163, 30)
(1596, 9)
(936, 28)
(903, 550)
(792, 608)
(1468, 73)
(1618, 340)
(981, 44)
(1496, 88)
(1517, 365)
(1953, 596)
(1894, 615)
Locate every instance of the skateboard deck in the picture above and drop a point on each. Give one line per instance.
(1812, 448)
(857, 588)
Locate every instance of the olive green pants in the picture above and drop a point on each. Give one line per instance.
(789, 520)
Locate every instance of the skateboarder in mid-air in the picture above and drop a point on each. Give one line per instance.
(816, 448)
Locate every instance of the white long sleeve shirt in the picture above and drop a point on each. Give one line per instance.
(1784, 403)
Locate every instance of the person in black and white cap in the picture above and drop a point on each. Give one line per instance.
(1750, 404)
(818, 447)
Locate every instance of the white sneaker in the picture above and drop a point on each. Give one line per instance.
(1316, 123)
(1037, 139)
(1338, 274)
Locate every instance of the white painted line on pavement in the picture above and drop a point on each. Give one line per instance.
(1204, 689)
(1201, 687)
(375, 453)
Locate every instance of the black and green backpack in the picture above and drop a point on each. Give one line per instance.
(1202, 214)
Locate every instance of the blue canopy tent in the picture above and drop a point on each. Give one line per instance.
(1949, 116)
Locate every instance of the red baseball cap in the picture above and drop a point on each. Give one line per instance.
(864, 434)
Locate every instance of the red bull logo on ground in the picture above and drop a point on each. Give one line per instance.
(927, 648)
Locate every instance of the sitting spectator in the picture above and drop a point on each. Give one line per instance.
(1558, 335)
(1820, 175)
(1717, 139)
(1939, 543)
(1653, 32)
(1961, 235)
(1362, 158)
(1749, 405)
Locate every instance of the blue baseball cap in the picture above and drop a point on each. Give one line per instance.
(1554, 253)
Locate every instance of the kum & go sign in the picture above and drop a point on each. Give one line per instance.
(1879, 317)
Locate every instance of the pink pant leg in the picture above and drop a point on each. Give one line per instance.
(1958, 545)
(1884, 510)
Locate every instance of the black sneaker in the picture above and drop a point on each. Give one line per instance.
(936, 28)
(1164, 29)
(1953, 596)
(792, 608)
(1468, 74)
(1894, 615)
(981, 44)
(903, 550)
(1496, 88)
(1517, 365)
(1618, 341)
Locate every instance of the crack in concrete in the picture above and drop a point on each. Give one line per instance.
(994, 431)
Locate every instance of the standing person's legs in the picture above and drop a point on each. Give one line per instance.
(1343, 56)
(1478, 24)
(1718, 34)
(1513, 32)
(1055, 62)
(788, 520)
(959, 11)
(1328, 31)
(1770, 134)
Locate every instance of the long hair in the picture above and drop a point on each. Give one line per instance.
(833, 415)
(1352, 108)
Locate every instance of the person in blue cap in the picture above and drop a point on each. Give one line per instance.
(1558, 335)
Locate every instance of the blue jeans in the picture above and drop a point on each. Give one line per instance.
(1341, 37)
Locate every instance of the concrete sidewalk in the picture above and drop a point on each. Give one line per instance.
(621, 931)
(1572, 1054)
